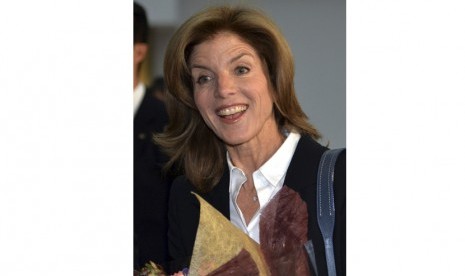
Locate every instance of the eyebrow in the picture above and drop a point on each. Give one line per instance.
(239, 56)
(198, 66)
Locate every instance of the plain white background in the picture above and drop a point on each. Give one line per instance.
(66, 146)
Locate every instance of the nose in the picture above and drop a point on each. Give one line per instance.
(225, 86)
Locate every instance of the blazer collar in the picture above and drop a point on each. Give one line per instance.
(219, 196)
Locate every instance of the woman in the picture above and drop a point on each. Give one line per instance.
(242, 139)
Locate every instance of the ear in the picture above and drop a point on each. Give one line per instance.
(140, 51)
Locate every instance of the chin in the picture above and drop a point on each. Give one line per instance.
(234, 140)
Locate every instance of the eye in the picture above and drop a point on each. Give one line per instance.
(241, 70)
(203, 79)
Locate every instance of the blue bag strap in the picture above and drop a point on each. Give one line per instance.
(325, 204)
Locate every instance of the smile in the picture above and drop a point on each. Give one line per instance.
(231, 110)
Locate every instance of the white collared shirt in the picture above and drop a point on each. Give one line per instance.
(139, 92)
(268, 181)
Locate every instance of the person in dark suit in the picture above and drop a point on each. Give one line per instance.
(158, 88)
(151, 188)
(245, 143)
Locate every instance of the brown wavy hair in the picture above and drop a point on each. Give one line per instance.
(187, 140)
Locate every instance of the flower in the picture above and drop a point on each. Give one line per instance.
(151, 269)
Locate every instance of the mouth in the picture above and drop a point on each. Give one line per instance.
(232, 112)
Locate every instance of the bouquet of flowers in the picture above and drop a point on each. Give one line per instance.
(221, 248)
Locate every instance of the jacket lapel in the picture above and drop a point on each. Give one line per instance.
(219, 196)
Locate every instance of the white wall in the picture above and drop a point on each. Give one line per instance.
(315, 30)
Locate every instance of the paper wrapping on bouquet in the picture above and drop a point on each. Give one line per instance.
(283, 234)
(220, 247)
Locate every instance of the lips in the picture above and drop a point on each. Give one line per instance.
(232, 112)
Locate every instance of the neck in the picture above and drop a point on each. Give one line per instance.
(252, 155)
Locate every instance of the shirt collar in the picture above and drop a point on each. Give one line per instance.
(236, 177)
(139, 92)
(275, 168)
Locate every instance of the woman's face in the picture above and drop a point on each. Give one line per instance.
(231, 89)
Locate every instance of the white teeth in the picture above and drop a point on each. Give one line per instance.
(232, 110)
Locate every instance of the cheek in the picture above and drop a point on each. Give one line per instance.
(266, 99)
(202, 103)
(199, 100)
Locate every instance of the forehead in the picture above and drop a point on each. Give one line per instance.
(222, 43)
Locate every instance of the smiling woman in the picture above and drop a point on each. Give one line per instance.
(242, 141)
(232, 92)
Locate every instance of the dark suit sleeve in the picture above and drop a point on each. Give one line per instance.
(183, 215)
(151, 188)
(340, 224)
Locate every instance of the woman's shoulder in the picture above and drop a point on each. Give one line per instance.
(182, 190)
(308, 151)
(182, 187)
(306, 160)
